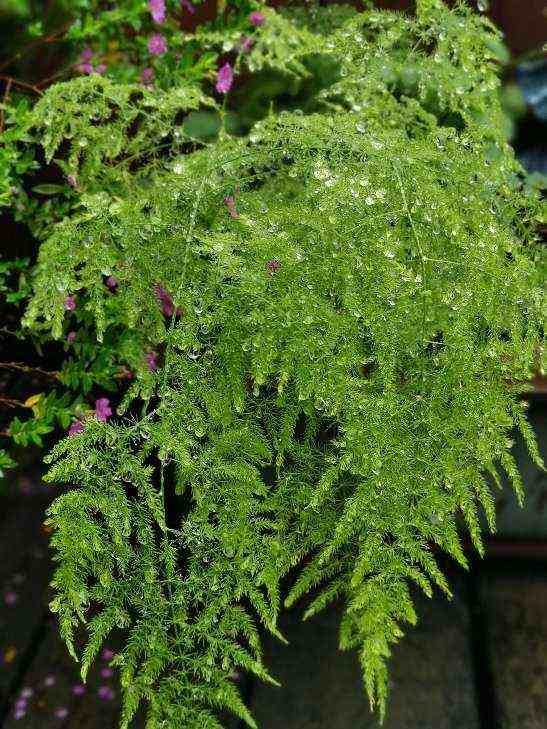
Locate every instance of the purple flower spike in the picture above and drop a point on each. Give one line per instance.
(101, 68)
(61, 712)
(79, 689)
(49, 680)
(225, 79)
(11, 597)
(71, 337)
(19, 714)
(21, 705)
(102, 409)
(76, 428)
(152, 361)
(257, 18)
(187, 5)
(107, 654)
(157, 10)
(273, 266)
(107, 672)
(105, 693)
(86, 55)
(27, 692)
(147, 75)
(230, 203)
(70, 303)
(112, 282)
(157, 45)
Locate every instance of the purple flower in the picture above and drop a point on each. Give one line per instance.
(78, 689)
(157, 45)
(152, 361)
(273, 266)
(165, 299)
(19, 714)
(230, 203)
(105, 693)
(20, 704)
(112, 283)
(11, 597)
(85, 68)
(246, 44)
(157, 10)
(27, 692)
(106, 672)
(49, 680)
(71, 337)
(101, 68)
(225, 79)
(257, 18)
(61, 712)
(147, 75)
(70, 303)
(72, 181)
(187, 5)
(86, 55)
(76, 428)
(107, 654)
(102, 409)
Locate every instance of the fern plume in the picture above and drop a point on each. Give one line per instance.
(355, 296)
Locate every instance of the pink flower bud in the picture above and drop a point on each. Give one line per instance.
(230, 203)
(152, 361)
(257, 18)
(187, 5)
(102, 409)
(76, 428)
(157, 10)
(70, 303)
(157, 45)
(225, 79)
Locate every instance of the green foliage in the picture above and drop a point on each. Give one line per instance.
(356, 296)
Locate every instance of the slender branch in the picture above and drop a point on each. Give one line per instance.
(10, 402)
(16, 82)
(5, 330)
(17, 366)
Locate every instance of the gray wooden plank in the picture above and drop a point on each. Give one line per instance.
(432, 682)
(515, 609)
